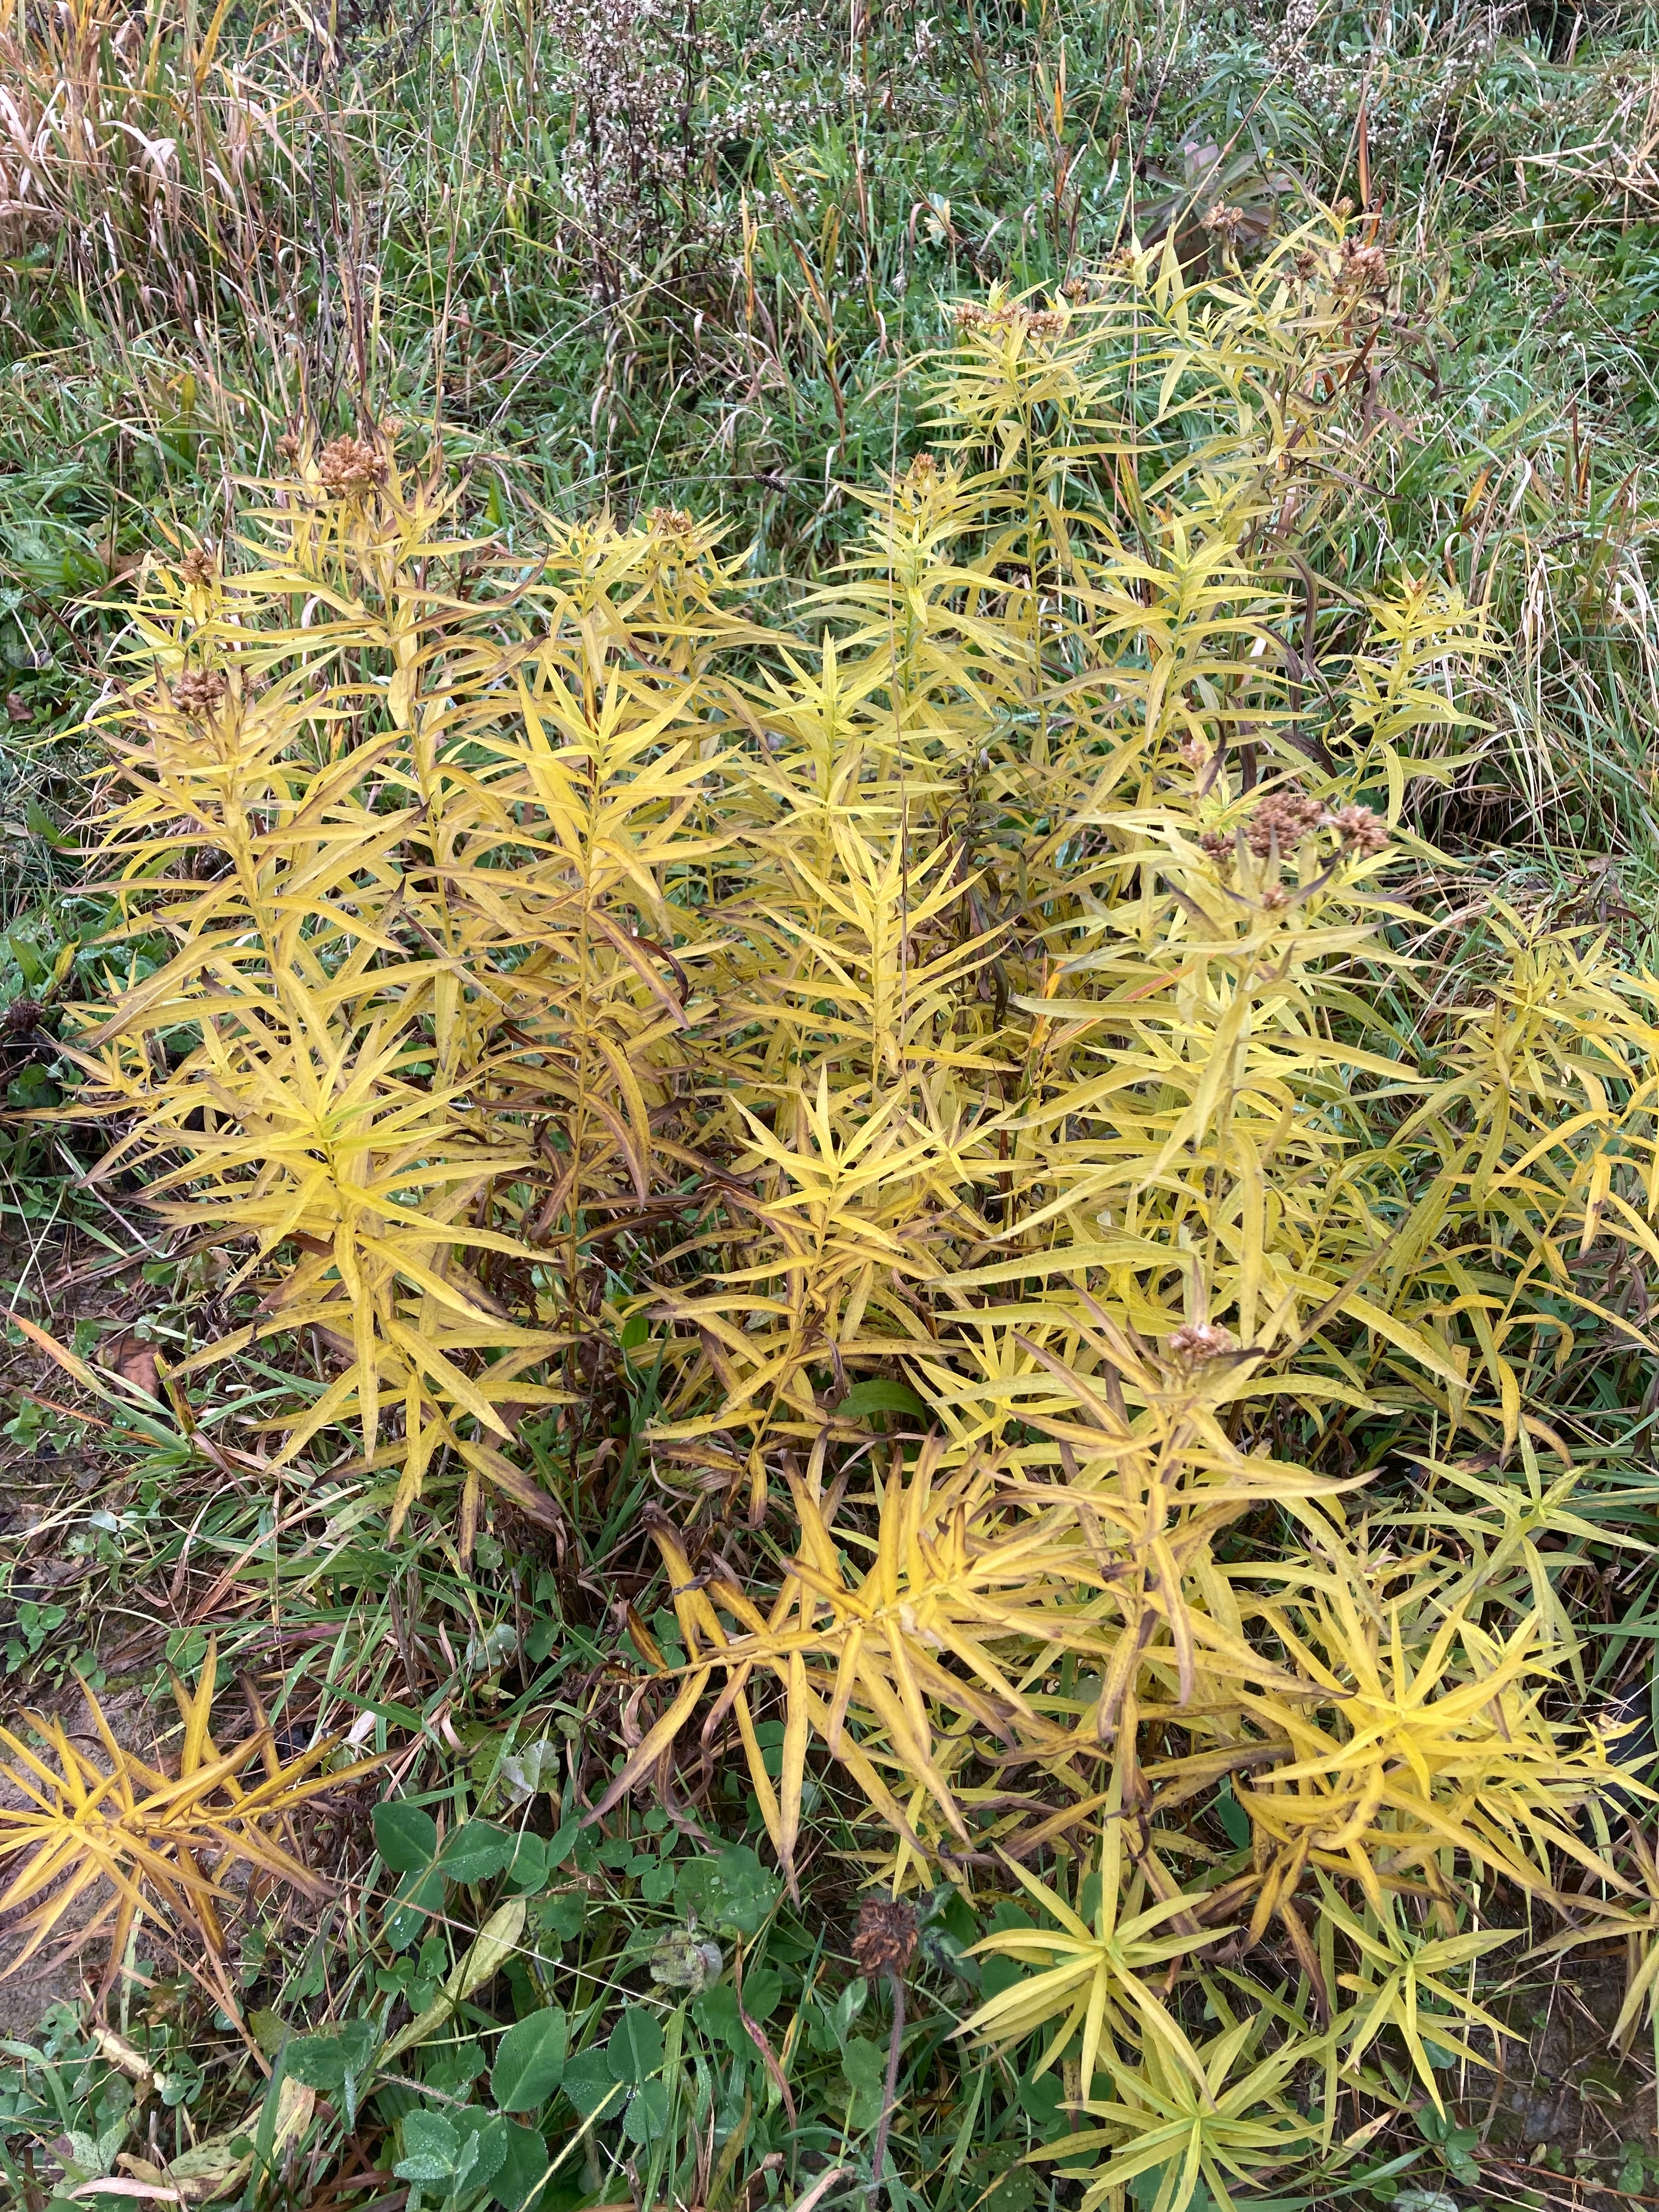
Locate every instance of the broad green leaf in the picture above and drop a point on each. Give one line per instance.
(528, 1869)
(864, 2063)
(486, 2134)
(475, 1851)
(728, 1889)
(880, 1395)
(432, 2149)
(646, 2113)
(325, 2062)
(522, 2168)
(405, 1835)
(530, 2061)
(636, 2044)
(418, 1901)
(589, 2081)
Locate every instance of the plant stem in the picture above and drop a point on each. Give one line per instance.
(890, 2094)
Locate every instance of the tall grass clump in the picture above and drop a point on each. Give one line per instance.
(149, 171)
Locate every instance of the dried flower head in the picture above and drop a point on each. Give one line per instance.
(916, 486)
(1217, 843)
(1363, 269)
(350, 467)
(197, 565)
(1195, 752)
(200, 690)
(1306, 263)
(1222, 221)
(683, 1960)
(1074, 289)
(1345, 207)
(885, 1941)
(673, 522)
(1198, 1342)
(1038, 324)
(288, 446)
(1275, 898)
(1360, 829)
(1283, 819)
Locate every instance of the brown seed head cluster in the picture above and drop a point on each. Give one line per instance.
(916, 486)
(197, 565)
(1199, 1341)
(288, 446)
(200, 690)
(674, 520)
(1216, 843)
(885, 1941)
(1222, 221)
(1359, 829)
(1363, 268)
(1040, 323)
(350, 466)
(1283, 819)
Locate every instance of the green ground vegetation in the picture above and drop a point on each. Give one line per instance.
(828, 1185)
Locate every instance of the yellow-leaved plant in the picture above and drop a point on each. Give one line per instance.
(978, 1005)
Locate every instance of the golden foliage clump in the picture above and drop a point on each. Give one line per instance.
(979, 1005)
(131, 1840)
